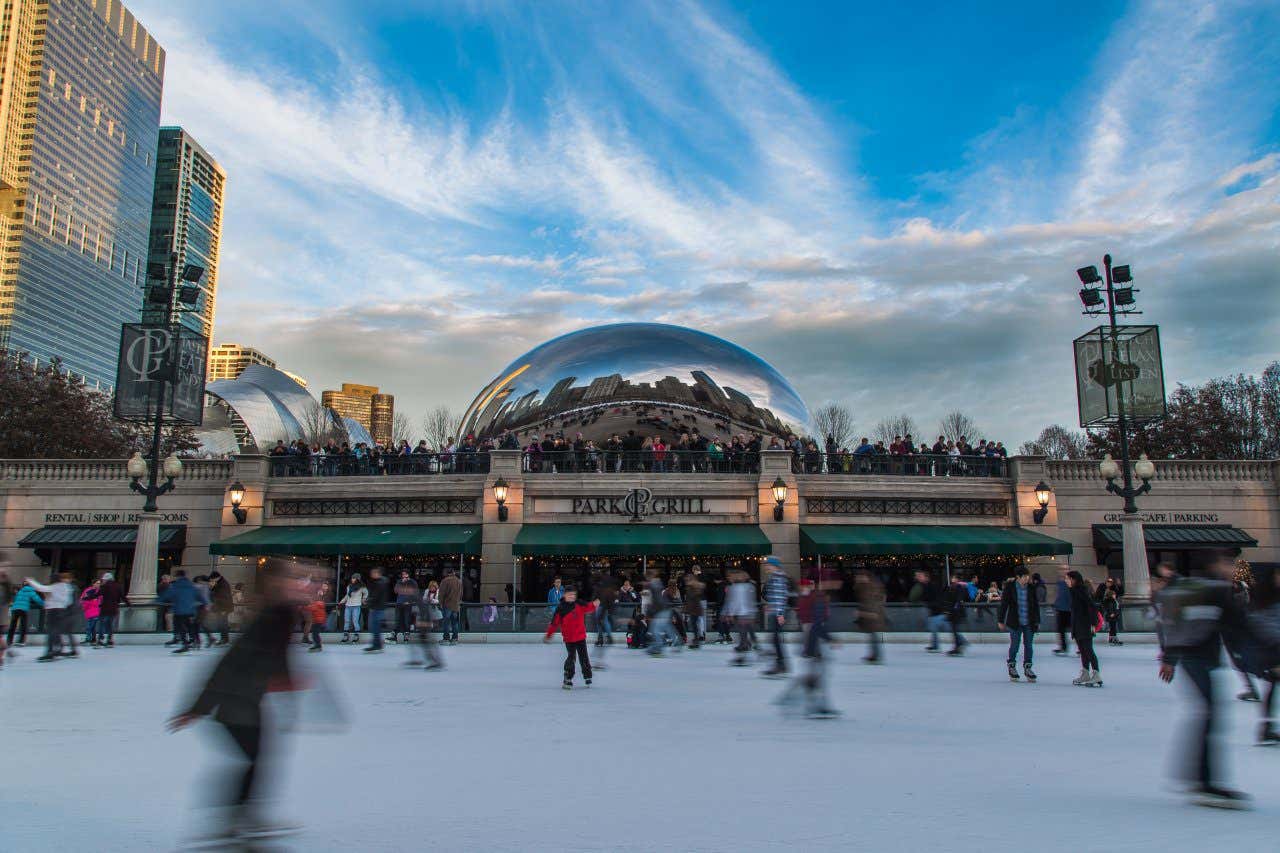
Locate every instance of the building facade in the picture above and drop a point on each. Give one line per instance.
(228, 361)
(186, 218)
(79, 113)
(366, 406)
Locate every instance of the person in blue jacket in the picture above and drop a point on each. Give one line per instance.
(184, 600)
(26, 598)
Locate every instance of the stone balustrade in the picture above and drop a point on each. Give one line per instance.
(103, 469)
(1175, 470)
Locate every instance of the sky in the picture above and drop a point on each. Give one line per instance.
(887, 202)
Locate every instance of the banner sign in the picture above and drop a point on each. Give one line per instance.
(1119, 372)
(161, 364)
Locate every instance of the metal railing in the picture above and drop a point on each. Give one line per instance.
(603, 461)
(351, 465)
(913, 465)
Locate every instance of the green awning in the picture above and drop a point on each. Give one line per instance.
(322, 540)
(926, 539)
(101, 537)
(1110, 537)
(634, 540)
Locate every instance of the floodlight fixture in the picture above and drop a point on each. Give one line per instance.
(1120, 274)
(156, 270)
(1123, 295)
(189, 294)
(191, 272)
(1088, 275)
(1091, 297)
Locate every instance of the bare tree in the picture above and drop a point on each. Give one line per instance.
(834, 422)
(957, 423)
(401, 429)
(440, 425)
(899, 425)
(1057, 442)
(319, 424)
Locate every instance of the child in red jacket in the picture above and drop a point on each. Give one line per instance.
(315, 612)
(571, 619)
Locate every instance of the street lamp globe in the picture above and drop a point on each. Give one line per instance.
(1144, 468)
(172, 466)
(1108, 468)
(1042, 493)
(136, 466)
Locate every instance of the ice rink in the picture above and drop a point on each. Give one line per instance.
(684, 753)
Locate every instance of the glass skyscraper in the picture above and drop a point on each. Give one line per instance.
(79, 114)
(186, 217)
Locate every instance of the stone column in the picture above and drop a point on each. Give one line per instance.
(1137, 573)
(146, 559)
(496, 560)
(785, 534)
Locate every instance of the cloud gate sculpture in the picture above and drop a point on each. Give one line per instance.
(650, 377)
(261, 406)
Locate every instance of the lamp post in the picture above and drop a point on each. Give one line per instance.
(166, 298)
(779, 497)
(1117, 285)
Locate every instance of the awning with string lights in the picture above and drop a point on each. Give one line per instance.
(372, 539)
(635, 540)
(840, 539)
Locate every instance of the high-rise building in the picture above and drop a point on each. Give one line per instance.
(80, 84)
(362, 403)
(228, 361)
(186, 219)
(295, 377)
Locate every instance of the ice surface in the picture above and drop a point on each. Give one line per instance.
(684, 753)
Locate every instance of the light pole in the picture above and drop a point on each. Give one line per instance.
(1118, 289)
(165, 301)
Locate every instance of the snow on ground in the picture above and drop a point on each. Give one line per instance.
(684, 753)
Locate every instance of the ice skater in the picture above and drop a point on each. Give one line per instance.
(740, 609)
(777, 598)
(356, 595)
(570, 619)
(57, 612)
(1019, 614)
(255, 664)
(1084, 619)
(316, 616)
(871, 613)
(809, 688)
(1196, 615)
(430, 617)
(660, 630)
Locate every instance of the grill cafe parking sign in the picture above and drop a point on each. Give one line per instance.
(160, 358)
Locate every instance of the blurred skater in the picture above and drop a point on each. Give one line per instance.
(257, 663)
(777, 598)
(20, 610)
(809, 687)
(57, 617)
(450, 607)
(91, 606)
(379, 594)
(407, 596)
(112, 597)
(740, 609)
(1256, 653)
(570, 619)
(1196, 615)
(659, 609)
(430, 618)
(871, 613)
(316, 616)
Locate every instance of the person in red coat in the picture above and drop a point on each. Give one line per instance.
(570, 618)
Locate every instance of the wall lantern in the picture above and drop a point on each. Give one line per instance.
(1042, 497)
(779, 497)
(237, 498)
(500, 495)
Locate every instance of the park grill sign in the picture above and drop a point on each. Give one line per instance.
(638, 504)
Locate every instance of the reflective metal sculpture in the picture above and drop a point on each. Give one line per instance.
(648, 377)
(263, 406)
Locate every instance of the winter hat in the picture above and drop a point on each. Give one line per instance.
(772, 560)
(107, 576)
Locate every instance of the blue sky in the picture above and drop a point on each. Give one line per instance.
(888, 204)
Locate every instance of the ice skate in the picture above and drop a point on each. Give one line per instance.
(588, 681)
(1081, 680)
(931, 648)
(1219, 798)
(1267, 736)
(314, 648)
(433, 667)
(1013, 671)
(1029, 673)
(1249, 696)
(1095, 678)
(774, 672)
(346, 637)
(822, 714)
(568, 685)
(957, 652)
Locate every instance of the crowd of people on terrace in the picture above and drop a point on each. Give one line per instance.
(640, 452)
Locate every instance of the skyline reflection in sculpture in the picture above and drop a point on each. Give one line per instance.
(650, 377)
